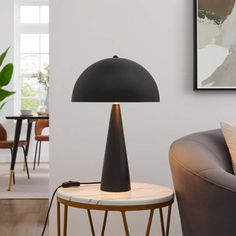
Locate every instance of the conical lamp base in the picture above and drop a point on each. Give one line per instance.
(115, 174)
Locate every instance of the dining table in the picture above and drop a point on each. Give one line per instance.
(19, 120)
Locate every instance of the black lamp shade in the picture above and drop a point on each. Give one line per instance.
(115, 80)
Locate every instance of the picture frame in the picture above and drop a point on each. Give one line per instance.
(214, 44)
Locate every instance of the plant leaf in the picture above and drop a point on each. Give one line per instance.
(3, 55)
(6, 74)
(4, 94)
(2, 105)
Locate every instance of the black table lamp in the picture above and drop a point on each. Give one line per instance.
(115, 80)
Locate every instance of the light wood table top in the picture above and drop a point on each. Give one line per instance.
(140, 194)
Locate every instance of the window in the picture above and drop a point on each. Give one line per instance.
(31, 53)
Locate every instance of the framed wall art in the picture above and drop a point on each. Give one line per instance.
(215, 44)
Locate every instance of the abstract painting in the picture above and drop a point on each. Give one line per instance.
(215, 44)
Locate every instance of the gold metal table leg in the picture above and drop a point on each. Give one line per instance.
(162, 222)
(125, 223)
(65, 220)
(165, 228)
(24, 164)
(11, 175)
(149, 222)
(58, 219)
(104, 223)
(91, 222)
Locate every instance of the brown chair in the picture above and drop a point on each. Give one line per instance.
(8, 144)
(39, 126)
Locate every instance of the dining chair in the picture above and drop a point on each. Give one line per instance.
(9, 144)
(40, 125)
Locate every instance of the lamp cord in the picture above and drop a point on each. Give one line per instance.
(64, 185)
(49, 208)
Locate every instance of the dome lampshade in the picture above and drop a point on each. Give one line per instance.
(115, 80)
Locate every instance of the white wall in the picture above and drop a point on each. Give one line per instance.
(158, 35)
(6, 40)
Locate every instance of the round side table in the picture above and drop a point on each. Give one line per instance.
(141, 197)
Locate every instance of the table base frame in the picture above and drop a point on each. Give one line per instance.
(19, 120)
(122, 209)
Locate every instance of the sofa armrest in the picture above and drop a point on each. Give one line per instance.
(214, 175)
(219, 177)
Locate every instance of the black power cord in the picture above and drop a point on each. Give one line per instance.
(68, 184)
(49, 208)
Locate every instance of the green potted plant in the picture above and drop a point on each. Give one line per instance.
(43, 80)
(5, 78)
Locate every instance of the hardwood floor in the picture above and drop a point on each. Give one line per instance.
(22, 217)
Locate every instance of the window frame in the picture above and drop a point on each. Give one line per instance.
(25, 28)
